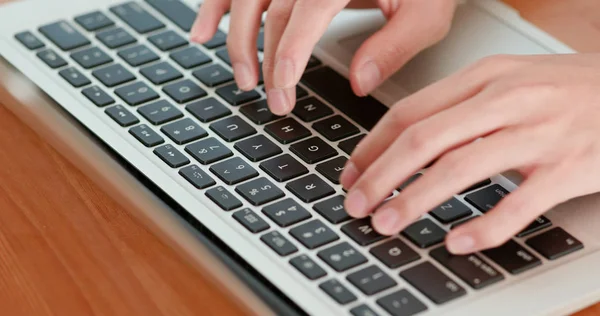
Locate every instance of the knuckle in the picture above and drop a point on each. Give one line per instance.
(454, 160)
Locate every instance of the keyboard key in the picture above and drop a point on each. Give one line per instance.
(29, 40)
(223, 198)
(184, 131)
(136, 93)
(167, 40)
(349, 144)
(337, 291)
(258, 112)
(470, 268)
(308, 267)
(120, 115)
(394, 253)
(451, 211)
(485, 199)
(219, 39)
(260, 41)
(362, 232)
(223, 54)
(335, 128)
(176, 12)
(310, 188)
(283, 168)
(136, 17)
(50, 58)
(433, 283)
(147, 136)
(74, 77)
(190, 57)
(184, 91)
(313, 150)
(213, 75)
(160, 112)
(208, 151)
(512, 257)
(197, 177)
(259, 191)
(313, 234)
(208, 110)
(113, 75)
(138, 55)
(115, 38)
(311, 109)
(342, 257)
(287, 130)
(424, 233)
(258, 148)
(94, 21)
(278, 243)
(234, 96)
(332, 169)
(91, 57)
(555, 243)
(63, 35)
(250, 220)
(300, 93)
(173, 157)
(97, 96)
(286, 212)
(401, 303)
(233, 171)
(232, 128)
(371, 280)
(160, 73)
(410, 180)
(537, 225)
(333, 209)
(477, 186)
(362, 310)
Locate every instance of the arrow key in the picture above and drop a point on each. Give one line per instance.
(424, 233)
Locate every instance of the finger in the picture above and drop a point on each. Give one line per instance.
(208, 18)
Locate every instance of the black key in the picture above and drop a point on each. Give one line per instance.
(190, 57)
(286, 212)
(410, 180)
(477, 186)
(51, 59)
(173, 157)
(300, 93)
(115, 38)
(310, 188)
(258, 148)
(232, 128)
(470, 268)
(313, 150)
(337, 291)
(94, 21)
(313, 234)
(234, 96)
(113, 75)
(213, 75)
(74, 77)
(283, 168)
(424, 233)
(223, 54)
(394, 253)
(308, 267)
(208, 110)
(184, 131)
(433, 283)
(63, 35)
(332, 169)
(250, 220)
(219, 39)
(136, 17)
(98, 96)
(278, 243)
(512, 257)
(91, 57)
(184, 91)
(337, 90)
(287, 131)
(555, 243)
(259, 191)
(167, 40)
(146, 135)
(260, 41)
(29, 40)
(176, 11)
(197, 177)
(160, 112)
(208, 151)
(335, 128)
(333, 209)
(233, 171)
(401, 303)
(120, 115)
(342, 257)
(451, 211)
(138, 55)
(537, 225)
(362, 232)
(349, 144)
(136, 93)
(161, 73)
(362, 310)
(311, 109)
(486, 199)
(223, 198)
(454, 225)
(371, 280)
(313, 62)
(258, 112)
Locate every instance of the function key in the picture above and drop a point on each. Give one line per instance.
(176, 11)
(259, 191)
(537, 225)
(362, 310)
(258, 148)
(208, 151)
(313, 150)
(120, 115)
(283, 168)
(63, 35)
(362, 232)
(349, 144)
(332, 169)
(433, 283)
(223, 54)
(223, 198)
(371, 280)
(190, 57)
(333, 209)
(138, 55)
(286, 212)
(136, 17)
(477, 185)
(287, 130)
(184, 131)
(233, 171)
(91, 57)
(161, 73)
(232, 128)
(308, 267)
(160, 112)
(115, 38)
(310, 188)
(197, 177)
(147, 136)
(424, 233)
(335, 128)
(555, 243)
(113, 75)
(342, 257)
(313, 234)
(173, 157)
(219, 39)
(486, 199)
(136, 93)
(29, 40)
(98, 96)
(208, 110)
(278, 243)
(401, 303)
(74, 77)
(94, 21)
(394, 253)
(250, 220)
(451, 211)
(167, 40)
(258, 112)
(235, 96)
(184, 91)
(213, 75)
(337, 291)
(311, 109)
(50, 58)
(512, 257)
(470, 268)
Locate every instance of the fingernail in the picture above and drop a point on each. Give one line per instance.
(356, 203)
(368, 77)
(278, 101)
(284, 74)
(387, 221)
(461, 245)
(349, 175)
(243, 77)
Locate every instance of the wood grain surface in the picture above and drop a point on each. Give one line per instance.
(68, 248)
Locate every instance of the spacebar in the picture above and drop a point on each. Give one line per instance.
(336, 89)
(176, 11)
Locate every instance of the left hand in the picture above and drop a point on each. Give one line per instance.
(539, 115)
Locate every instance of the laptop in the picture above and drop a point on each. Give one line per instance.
(256, 197)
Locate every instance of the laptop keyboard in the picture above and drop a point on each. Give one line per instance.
(302, 220)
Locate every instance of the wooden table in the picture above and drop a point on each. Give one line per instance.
(67, 248)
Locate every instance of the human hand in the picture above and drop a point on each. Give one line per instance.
(293, 28)
(539, 115)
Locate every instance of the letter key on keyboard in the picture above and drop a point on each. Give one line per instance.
(310, 188)
(257, 148)
(362, 232)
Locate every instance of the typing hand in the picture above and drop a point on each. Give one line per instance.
(539, 115)
(293, 28)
